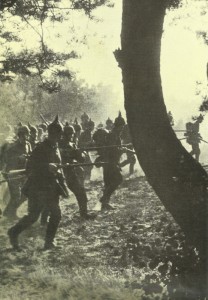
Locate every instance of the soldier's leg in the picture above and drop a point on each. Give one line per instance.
(80, 175)
(54, 220)
(34, 209)
(192, 152)
(88, 169)
(44, 216)
(15, 195)
(112, 179)
(197, 151)
(79, 191)
(124, 163)
(132, 161)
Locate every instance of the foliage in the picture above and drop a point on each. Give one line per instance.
(35, 14)
(204, 105)
(23, 100)
(173, 3)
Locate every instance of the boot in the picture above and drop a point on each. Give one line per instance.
(13, 238)
(49, 246)
(87, 216)
(106, 206)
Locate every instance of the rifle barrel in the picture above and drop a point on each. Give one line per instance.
(103, 147)
(204, 141)
(180, 130)
(81, 164)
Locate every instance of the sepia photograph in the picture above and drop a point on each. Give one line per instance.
(103, 150)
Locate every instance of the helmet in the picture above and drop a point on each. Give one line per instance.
(55, 126)
(109, 122)
(119, 121)
(84, 117)
(23, 130)
(69, 130)
(100, 125)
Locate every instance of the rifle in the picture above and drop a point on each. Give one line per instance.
(203, 141)
(68, 165)
(61, 166)
(43, 119)
(11, 179)
(128, 150)
(103, 147)
(179, 130)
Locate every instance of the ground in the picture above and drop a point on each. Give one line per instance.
(134, 252)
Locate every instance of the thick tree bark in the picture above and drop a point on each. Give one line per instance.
(178, 180)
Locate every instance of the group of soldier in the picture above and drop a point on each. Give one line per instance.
(41, 164)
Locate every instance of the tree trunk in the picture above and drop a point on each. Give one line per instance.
(178, 180)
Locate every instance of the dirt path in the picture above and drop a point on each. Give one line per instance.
(128, 253)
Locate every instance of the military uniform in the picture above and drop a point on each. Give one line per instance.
(85, 141)
(111, 172)
(14, 157)
(193, 137)
(43, 187)
(70, 154)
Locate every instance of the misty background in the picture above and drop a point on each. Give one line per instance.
(96, 76)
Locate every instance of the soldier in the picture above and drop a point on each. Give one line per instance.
(194, 137)
(78, 129)
(130, 157)
(6, 138)
(84, 120)
(86, 141)
(14, 157)
(44, 186)
(109, 124)
(70, 154)
(111, 171)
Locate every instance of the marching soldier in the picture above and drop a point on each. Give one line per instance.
(14, 157)
(193, 136)
(130, 157)
(86, 141)
(84, 120)
(78, 129)
(109, 124)
(111, 171)
(70, 154)
(44, 186)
